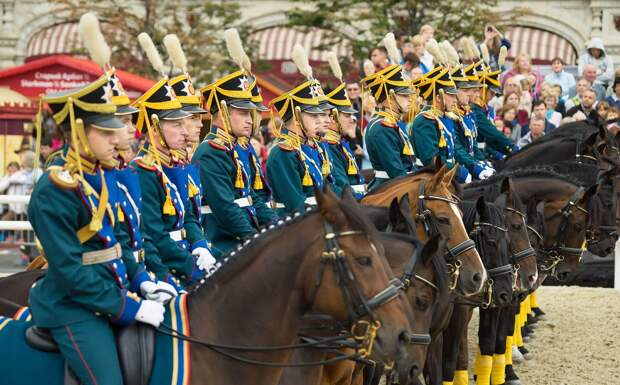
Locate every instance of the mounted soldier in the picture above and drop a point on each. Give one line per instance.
(191, 102)
(387, 143)
(86, 286)
(233, 211)
(344, 169)
(466, 150)
(294, 167)
(432, 132)
(494, 143)
(174, 238)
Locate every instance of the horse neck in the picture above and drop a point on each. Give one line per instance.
(259, 303)
(543, 189)
(552, 151)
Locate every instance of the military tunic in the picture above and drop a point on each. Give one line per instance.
(388, 148)
(232, 210)
(467, 152)
(171, 229)
(344, 168)
(293, 173)
(258, 181)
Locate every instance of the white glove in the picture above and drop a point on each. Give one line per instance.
(165, 291)
(468, 178)
(486, 173)
(147, 288)
(205, 259)
(150, 312)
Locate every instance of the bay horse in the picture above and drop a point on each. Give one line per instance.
(565, 215)
(434, 206)
(328, 259)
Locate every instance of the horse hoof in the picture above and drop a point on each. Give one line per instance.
(517, 357)
(526, 339)
(513, 382)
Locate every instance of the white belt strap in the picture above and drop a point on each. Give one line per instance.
(310, 201)
(381, 174)
(101, 256)
(359, 188)
(177, 235)
(482, 145)
(241, 202)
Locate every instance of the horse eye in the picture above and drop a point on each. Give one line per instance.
(517, 226)
(364, 261)
(578, 227)
(421, 303)
(492, 243)
(443, 220)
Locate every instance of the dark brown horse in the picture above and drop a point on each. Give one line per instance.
(329, 260)
(435, 210)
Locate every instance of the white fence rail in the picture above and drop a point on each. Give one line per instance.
(19, 224)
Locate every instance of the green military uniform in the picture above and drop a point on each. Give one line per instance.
(495, 144)
(344, 170)
(386, 138)
(86, 285)
(172, 233)
(295, 165)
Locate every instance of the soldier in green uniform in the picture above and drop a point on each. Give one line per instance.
(432, 130)
(387, 143)
(294, 166)
(86, 286)
(344, 169)
(466, 151)
(173, 236)
(495, 144)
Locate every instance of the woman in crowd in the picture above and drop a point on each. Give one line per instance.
(523, 66)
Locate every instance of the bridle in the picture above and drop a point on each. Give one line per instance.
(593, 231)
(555, 254)
(407, 279)
(363, 332)
(425, 216)
(528, 251)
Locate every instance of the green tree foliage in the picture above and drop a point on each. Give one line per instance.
(199, 25)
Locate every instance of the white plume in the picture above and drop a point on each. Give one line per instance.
(433, 48)
(247, 64)
(485, 53)
(235, 47)
(474, 49)
(151, 52)
(332, 59)
(300, 58)
(389, 41)
(93, 39)
(175, 51)
(369, 68)
(450, 53)
(501, 60)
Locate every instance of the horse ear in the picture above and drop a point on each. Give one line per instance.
(590, 192)
(602, 131)
(617, 138)
(438, 177)
(447, 179)
(430, 248)
(397, 220)
(591, 140)
(481, 208)
(405, 205)
(328, 203)
(347, 194)
(437, 163)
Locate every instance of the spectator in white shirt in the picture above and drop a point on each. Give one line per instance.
(537, 130)
(603, 64)
(559, 76)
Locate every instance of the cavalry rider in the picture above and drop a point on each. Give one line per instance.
(294, 165)
(387, 142)
(174, 238)
(344, 169)
(233, 211)
(466, 151)
(432, 131)
(86, 287)
(186, 94)
(495, 144)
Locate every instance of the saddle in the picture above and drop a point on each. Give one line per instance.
(135, 345)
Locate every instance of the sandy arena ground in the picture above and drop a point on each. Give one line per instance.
(579, 344)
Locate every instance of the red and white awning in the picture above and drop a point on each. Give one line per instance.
(542, 46)
(277, 43)
(57, 39)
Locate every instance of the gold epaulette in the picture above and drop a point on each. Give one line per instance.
(219, 143)
(453, 116)
(62, 178)
(286, 145)
(429, 114)
(146, 161)
(51, 157)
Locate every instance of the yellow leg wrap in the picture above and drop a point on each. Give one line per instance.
(498, 371)
(477, 362)
(518, 337)
(484, 375)
(533, 300)
(461, 377)
(528, 306)
(508, 353)
(447, 383)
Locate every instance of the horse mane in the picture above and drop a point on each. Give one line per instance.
(585, 174)
(238, 258)
(534, 172)
(428, 169)
(496, 213)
